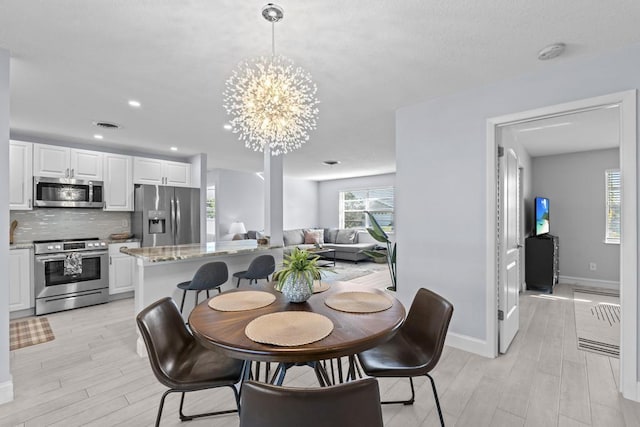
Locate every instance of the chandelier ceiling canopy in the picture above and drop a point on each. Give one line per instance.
(271, 102)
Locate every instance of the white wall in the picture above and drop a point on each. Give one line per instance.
(329, 195)
(575, 186)
(6, 384)
(300, 203)
(446, 138)
(240, 197)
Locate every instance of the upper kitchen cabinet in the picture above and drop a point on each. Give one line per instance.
(86, 164)
(63, 162)
(118, 182)
(20, 175)
(161, 172)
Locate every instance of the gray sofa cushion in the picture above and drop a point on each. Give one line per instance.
(330, 235)
(293, 237)
(346, 236)
(352, 248)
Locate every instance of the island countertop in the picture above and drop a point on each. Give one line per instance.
(198, 250)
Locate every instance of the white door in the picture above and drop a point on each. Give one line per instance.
(509, 249)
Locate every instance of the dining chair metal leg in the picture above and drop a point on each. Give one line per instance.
(208, 294)
(184, 294)
(184, 417)
(407, 402)
(238, 284)
(164, 395)
(435, 395)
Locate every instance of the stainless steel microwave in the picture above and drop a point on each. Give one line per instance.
(67, 193)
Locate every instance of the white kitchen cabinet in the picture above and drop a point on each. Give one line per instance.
(63, 162)
(161, 172)
(20, 175)
(86, 164)
(121, 268)
(51, 161)
(177, 174)
(118, 182)
(20, 285)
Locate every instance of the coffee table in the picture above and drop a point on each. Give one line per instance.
(329, 255)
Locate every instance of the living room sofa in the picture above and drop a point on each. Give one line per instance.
(348, 243)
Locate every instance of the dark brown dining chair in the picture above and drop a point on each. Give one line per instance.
(179, 361)
(209, 276)
(416, 348)
(353, 404)
(260, 268)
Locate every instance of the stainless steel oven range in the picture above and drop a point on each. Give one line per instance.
(70, 274)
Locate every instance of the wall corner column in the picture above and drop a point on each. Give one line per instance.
(6, 382)
(273, 196)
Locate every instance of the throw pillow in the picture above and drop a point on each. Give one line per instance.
(313, 237)
(346, 236)
(293, 237)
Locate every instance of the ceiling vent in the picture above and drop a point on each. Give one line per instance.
(107, 125)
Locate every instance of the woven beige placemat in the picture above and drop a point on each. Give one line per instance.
(358, 302)
(289, 328)
(242, 300)
(319, 286)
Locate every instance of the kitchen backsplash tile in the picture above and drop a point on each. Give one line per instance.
(46, 224)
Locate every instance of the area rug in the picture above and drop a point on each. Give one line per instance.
(27, 332)
(345, 271)
(598, 321)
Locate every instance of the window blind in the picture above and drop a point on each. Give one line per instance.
(612, 187)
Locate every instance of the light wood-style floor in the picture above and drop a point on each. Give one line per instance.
(91, 375)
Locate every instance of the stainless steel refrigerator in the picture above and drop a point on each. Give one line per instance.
(166, 215)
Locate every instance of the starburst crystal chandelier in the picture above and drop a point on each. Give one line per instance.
(272, 103)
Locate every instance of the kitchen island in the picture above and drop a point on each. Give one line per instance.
(159, 269)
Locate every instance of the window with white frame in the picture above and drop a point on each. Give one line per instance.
(378, 201)
(612, 189)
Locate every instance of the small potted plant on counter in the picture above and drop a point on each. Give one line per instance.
(295, 280)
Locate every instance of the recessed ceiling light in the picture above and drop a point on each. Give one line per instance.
(174, 148)
(331, 162)
(134, 103)
(227, 126)
(551, 51)
(98, 136)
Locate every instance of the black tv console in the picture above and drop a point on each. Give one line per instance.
(541, 262)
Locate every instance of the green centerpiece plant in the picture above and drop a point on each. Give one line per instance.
(389, 253)
(295, 279)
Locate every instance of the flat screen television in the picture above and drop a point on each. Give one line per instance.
(542, 215)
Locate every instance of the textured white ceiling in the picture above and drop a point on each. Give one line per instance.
(76, 61)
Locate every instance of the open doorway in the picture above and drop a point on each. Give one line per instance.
(624, 105)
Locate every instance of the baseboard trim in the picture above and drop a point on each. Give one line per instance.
(591, 283)
(470, 344)
(6, 391)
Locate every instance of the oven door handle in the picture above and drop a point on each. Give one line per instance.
(47, 258)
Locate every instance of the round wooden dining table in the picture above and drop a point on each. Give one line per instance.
(352, 332)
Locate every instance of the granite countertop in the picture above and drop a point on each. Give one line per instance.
(130, 240)
(197, 250)
(21, 245)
